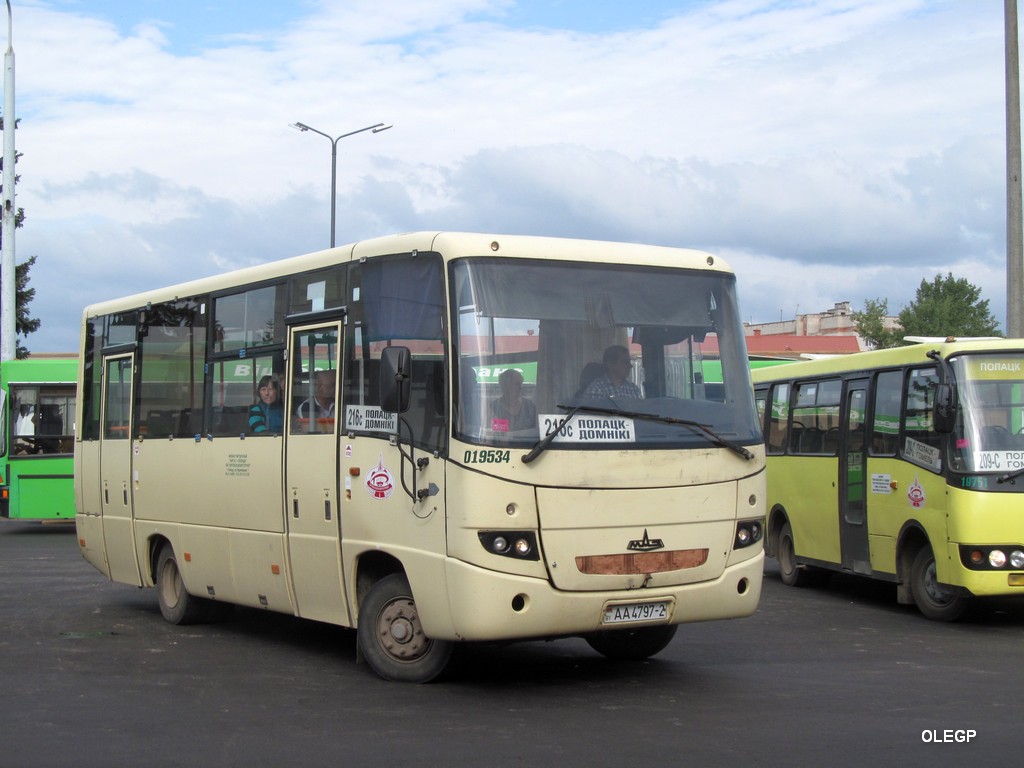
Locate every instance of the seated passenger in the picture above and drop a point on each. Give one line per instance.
(512, 412)
(614, 382)
(267, 413)
(321, 405)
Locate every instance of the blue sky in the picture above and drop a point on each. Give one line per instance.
(830, 150)
(192, 26)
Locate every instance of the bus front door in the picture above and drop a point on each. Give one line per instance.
(115, 463)
(853, 524)
(311, 475)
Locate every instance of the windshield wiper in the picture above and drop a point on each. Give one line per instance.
(1009, 476)
(703, 429)
(539, 448)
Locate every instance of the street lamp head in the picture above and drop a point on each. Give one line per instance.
(299, 126)
(381, 127)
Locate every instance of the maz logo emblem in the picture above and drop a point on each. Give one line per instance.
(646, 544)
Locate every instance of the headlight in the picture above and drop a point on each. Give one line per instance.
(521, 545)
(992, 557)
(748, 532)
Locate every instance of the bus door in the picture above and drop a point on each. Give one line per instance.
(115, 460)
(853, 524)
(311, 474)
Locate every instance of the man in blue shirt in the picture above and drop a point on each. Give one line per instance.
(615, 380)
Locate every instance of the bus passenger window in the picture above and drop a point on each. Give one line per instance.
(921, 443)
(778, 420)
(314, 383)
(885, 426)
(816, 417)
(319, 406)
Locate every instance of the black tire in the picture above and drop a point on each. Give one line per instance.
(792, 574)
(391, 639)
(934, 601)
(632, 644)
(176, 604)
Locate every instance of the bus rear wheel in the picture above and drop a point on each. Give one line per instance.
(391, 637)
(176, 604)
(933, 600)
(632, 644)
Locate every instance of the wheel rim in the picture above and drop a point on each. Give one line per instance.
(399, 631)
(934, 592)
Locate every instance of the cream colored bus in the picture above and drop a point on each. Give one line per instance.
(402, 436)
(905, 465)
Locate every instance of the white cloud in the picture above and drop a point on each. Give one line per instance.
(855, 144)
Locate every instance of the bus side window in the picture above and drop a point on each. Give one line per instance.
(399, 301)
(761, 404)
(885, 425)
(778, 420)
(921, 443)
(816, 411)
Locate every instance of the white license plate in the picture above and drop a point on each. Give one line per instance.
(625, 613)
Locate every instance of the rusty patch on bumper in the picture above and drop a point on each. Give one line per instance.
(641, 562)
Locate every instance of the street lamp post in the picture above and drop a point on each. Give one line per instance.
(334, 158)
(8, 287)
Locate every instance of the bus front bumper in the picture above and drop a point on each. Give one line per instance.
(486, 605)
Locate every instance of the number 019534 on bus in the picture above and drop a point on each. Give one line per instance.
(627, 612)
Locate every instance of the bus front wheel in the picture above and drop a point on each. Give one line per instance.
(792, 574)
(933, 600)
(391, 638)
(176, 604)
(632, 644)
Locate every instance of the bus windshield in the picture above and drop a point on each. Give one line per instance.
(633, 351)
(990, 430)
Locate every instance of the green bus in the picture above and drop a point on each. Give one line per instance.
(37, 420)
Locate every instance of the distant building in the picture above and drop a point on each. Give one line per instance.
(827, 327)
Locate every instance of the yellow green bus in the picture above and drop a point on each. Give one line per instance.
(905, 465)
(37, 411)
(403, 489)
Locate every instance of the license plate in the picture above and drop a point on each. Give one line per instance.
(625, 613)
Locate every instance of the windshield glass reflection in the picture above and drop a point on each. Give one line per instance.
(537, 339)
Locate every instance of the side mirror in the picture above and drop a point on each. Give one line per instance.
(944, 409)
(395, 379)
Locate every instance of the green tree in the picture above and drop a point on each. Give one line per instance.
(948, 306)
(870, 325)
(24, 323)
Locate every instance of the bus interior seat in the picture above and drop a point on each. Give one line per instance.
(160, 423)
(883, 444)
(590, 372)
(794, 437)
(996, 439)
(185, 428)
(231, 420)
(810, 441)
(830, 440)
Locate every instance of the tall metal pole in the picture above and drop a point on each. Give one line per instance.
(377, 128)
(1014, 233)
(8, 287)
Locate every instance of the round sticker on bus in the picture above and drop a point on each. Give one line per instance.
(380, 482)
(915, 495)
